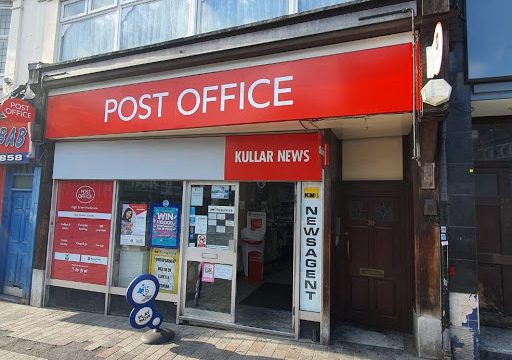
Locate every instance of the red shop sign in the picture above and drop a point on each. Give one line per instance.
(362, 82)
(18, 110)
(82, 231)
(289, 157)
(14, 142)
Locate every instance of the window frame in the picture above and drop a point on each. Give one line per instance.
(193, 28)
(5, 38)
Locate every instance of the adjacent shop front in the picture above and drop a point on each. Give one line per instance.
(219, 180)
(19, 192)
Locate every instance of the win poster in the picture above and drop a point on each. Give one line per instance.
(165, 225)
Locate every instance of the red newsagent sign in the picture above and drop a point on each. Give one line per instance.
(364, 82)
(82, 231)
(289, 157)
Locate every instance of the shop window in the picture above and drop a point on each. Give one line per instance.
(219, 14)
(491, 142)
(148, 232)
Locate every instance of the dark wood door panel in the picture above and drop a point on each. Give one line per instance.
(375, 235)
(493, 189)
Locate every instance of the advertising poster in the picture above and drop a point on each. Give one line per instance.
(133, 224)
(208, 273)
(164, 265)
(165, 225)
(220, 192)
(82, 231)
(196, 197)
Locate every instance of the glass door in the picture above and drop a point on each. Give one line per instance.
(211, 230)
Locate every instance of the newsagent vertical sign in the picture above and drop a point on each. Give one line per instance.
(311, 247)
(82, 231)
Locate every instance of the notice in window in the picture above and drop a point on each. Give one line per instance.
(133, 224)
(82, 231)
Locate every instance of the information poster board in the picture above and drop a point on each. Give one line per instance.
(133, 224)
(165, 225)
(82, 231)
(164, 265)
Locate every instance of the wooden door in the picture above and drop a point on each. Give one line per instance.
(493, 192)
(376, 273)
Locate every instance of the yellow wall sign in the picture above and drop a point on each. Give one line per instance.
(164, 265)
(312, 193)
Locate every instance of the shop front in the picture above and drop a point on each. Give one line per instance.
(19, 191)
(223, 181)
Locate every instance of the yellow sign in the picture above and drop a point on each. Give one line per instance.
(164, 265)
(312, 193)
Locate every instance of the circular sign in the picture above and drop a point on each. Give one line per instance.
(142, 290)
(18, 110)
(437, 47)
(141, 317)
(85, 194)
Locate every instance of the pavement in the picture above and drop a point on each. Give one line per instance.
(33, 333)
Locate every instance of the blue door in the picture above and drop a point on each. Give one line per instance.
(18, 245)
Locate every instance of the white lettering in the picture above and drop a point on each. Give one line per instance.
(250, 94)
(224, 96)
(196, 105)
(108, 109)
(160, 96)
(145, 107)
(207, 99)
(120, 109)
(278, 90)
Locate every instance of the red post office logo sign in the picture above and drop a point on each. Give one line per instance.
(365, 82)
(287, 157)
(18, 110)
(15, 145)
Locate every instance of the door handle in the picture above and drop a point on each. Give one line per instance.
(209, 256)
(345, 235)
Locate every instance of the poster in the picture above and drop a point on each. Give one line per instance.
(201, 240)
(81, 238)
(208, 273)
(196, 196)
(223, 271)
(220, 192)
(133, 224)
(164, 265)
(165, 225)
(201, 226)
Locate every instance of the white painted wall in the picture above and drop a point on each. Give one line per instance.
(372, 159)
(32, 38)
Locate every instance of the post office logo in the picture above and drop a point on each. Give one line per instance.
(85, 194)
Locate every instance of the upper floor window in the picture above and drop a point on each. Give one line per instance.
(489, 41)
(5, 22)
(91, 27)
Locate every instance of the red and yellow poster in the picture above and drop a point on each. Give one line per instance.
(82, 231)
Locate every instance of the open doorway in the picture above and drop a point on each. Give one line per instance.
(264, 296)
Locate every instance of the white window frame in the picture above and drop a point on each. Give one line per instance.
(194, 25)
(4, 6)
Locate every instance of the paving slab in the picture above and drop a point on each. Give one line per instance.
(35, 333)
